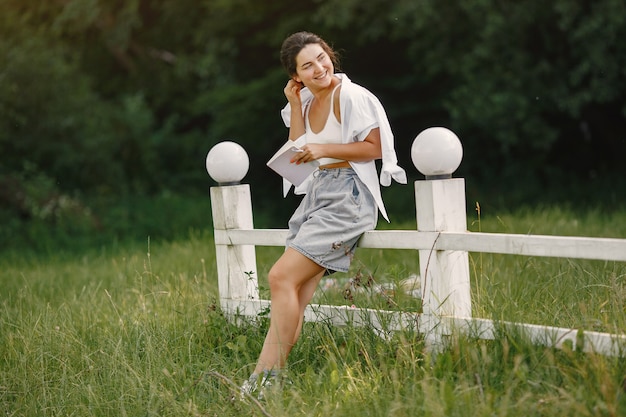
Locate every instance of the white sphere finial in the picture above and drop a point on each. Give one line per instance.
(436, 152)
(227, 163)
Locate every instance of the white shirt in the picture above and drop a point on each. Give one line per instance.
(361, 111)
(330, 133)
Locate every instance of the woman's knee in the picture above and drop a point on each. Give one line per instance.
(291, 271)
(277, 278)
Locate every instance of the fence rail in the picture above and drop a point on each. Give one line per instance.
(442, 242)
(606, 249)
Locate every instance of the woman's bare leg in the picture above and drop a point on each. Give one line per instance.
(306, 294)
(288, 281)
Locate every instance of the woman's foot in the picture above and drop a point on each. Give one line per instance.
(257, 384)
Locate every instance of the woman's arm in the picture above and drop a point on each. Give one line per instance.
(366, 150)
(296, 123)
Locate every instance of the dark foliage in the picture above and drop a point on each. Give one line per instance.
(111, 99)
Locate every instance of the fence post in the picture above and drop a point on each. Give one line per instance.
(440, 207)
(231, 206)
(236, 264)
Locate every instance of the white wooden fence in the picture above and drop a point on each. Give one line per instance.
(442, 242)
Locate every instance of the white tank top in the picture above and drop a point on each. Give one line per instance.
(331, 133)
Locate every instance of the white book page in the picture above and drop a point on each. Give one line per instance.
(294, 173)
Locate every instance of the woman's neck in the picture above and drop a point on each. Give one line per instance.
(322, 95)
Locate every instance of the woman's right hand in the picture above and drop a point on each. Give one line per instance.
(292, 91)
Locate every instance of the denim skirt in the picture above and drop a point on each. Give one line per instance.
(336, 210)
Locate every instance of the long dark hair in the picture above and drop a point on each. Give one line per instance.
(296, 42)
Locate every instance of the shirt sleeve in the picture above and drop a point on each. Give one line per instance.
(363, 112)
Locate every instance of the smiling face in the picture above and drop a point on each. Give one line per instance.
(314, 68)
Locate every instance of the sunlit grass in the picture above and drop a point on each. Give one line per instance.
(138, 331)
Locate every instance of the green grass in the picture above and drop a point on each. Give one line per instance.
(136, 330)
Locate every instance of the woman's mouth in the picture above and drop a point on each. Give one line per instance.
(320, 77)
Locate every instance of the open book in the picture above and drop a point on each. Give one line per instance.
(292, 172)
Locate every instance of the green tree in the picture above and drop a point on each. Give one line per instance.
(128, 96)
(535, 90)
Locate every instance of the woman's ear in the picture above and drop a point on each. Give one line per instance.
(296, 79)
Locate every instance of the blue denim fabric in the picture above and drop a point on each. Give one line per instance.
(336, 210)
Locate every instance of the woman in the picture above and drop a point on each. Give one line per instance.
(344, 127)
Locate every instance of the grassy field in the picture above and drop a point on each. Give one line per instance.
(136, 330)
